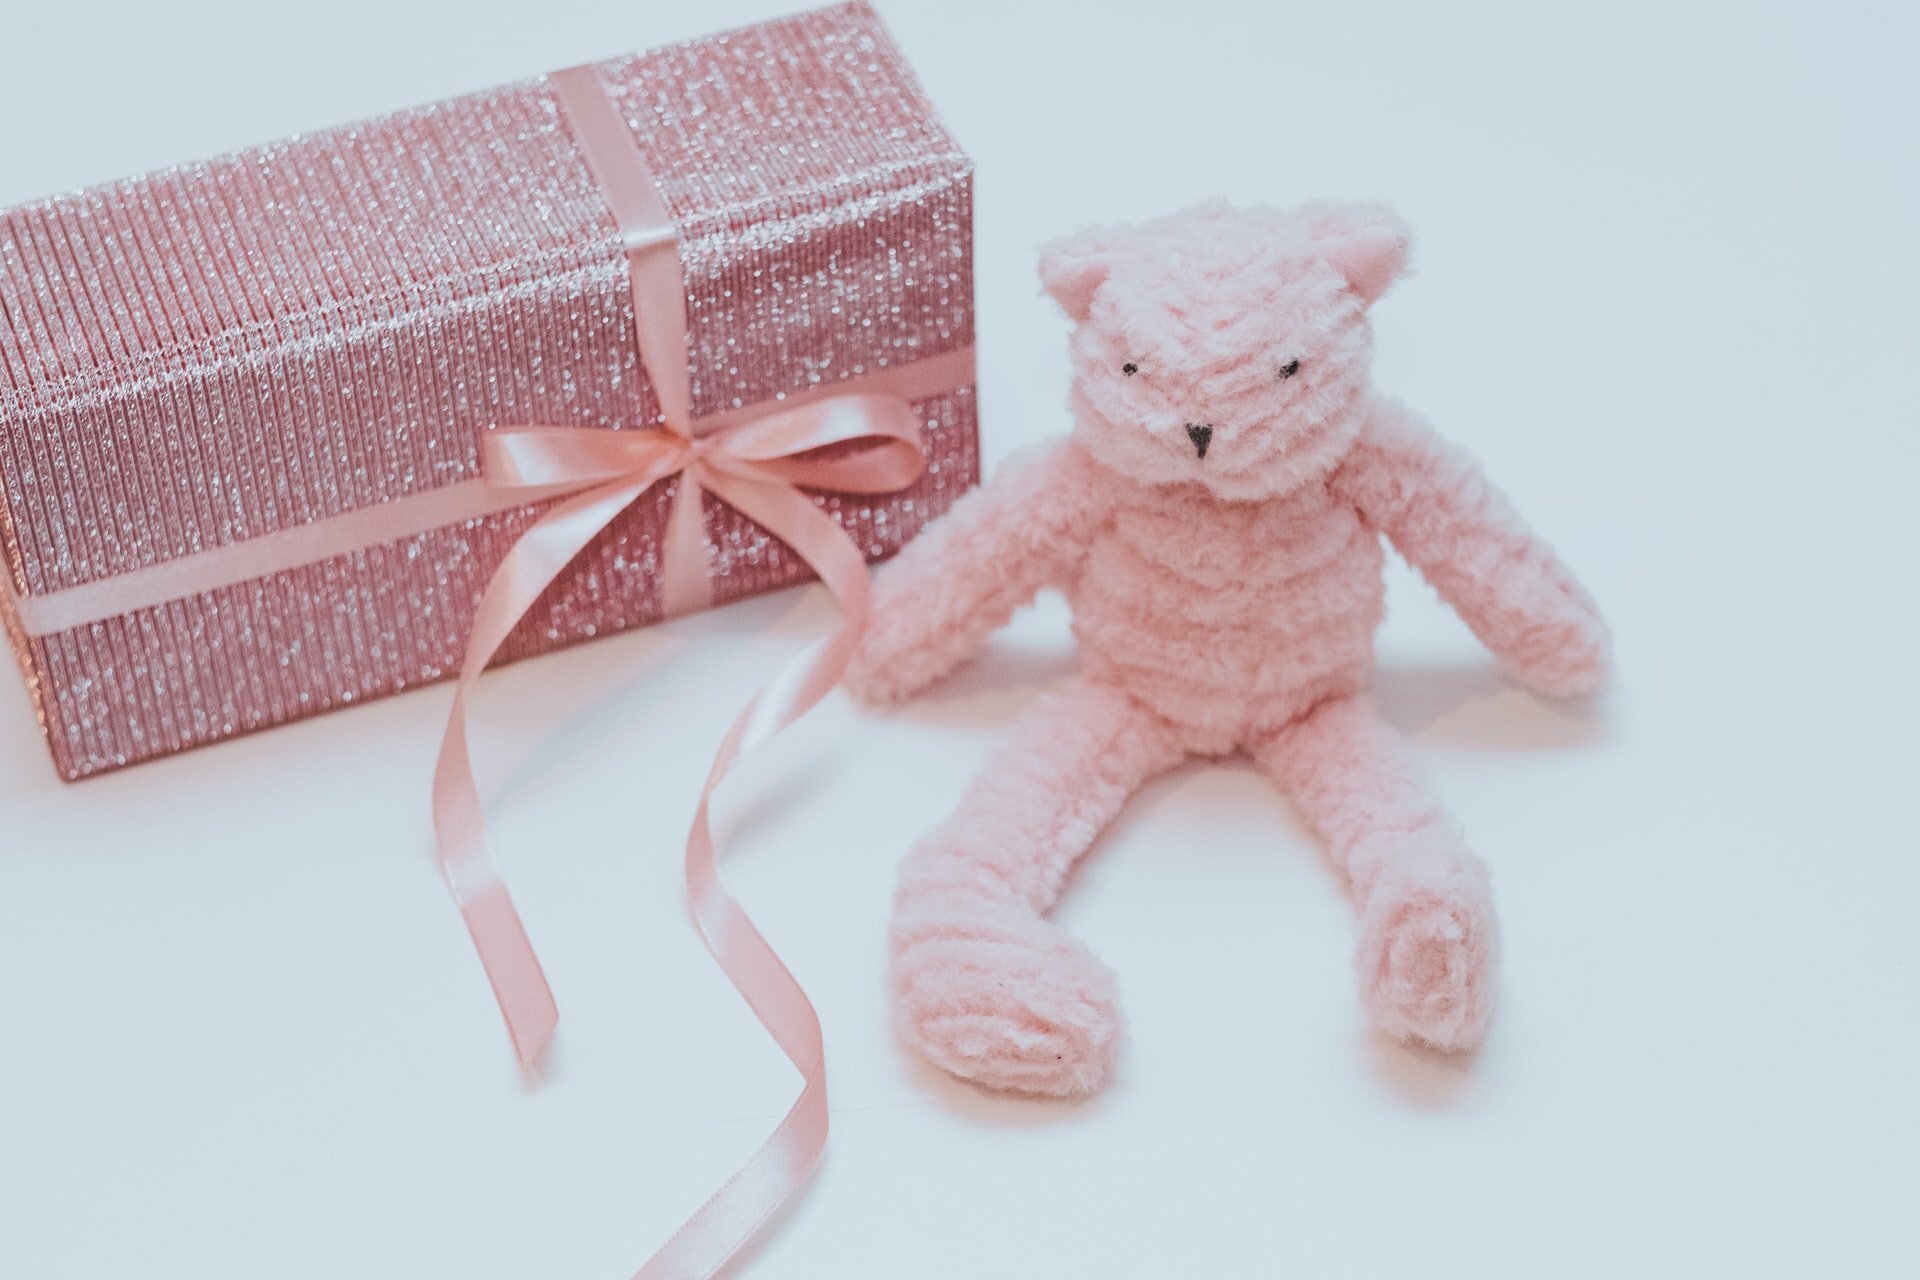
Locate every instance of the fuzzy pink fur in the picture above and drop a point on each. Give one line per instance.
(1215, 521)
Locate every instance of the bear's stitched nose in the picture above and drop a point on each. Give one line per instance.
(1200, 433)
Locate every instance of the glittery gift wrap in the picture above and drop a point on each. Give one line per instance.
(219, 351)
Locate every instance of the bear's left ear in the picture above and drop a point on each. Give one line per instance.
(1367, 246)
(1071, 270)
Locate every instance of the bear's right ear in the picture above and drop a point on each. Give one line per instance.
(1366, 244)
(1072, 269)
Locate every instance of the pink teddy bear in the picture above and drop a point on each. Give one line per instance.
(1215, 522)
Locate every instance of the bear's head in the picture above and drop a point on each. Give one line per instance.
(1224, 346)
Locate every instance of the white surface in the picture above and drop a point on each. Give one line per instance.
(1666, 292)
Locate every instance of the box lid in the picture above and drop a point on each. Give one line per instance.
(219, 350)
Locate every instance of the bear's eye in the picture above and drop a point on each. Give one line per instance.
(1288, 369)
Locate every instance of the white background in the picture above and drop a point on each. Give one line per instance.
(1666, 290)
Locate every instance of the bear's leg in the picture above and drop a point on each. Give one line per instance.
(1428, 936)
(981, 983)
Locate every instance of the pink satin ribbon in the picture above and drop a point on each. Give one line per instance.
(755, 464)
(754, 467)
(263, 555)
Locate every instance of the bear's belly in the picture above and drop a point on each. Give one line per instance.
(1231, 620)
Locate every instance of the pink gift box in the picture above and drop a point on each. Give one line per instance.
(246, 356)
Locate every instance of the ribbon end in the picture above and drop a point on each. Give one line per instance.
(519, 985)
(532, 1032)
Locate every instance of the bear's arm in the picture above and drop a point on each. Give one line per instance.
(1432, 502)
(962, 579)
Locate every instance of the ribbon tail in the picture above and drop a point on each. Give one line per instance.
(459, 818)
(466, 859)
(734, 1213)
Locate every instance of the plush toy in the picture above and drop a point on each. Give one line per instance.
(1215, 522)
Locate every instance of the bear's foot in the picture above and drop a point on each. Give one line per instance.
(1427, 953)
(1004, 999)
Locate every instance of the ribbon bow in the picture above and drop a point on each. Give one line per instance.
(754, 466)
